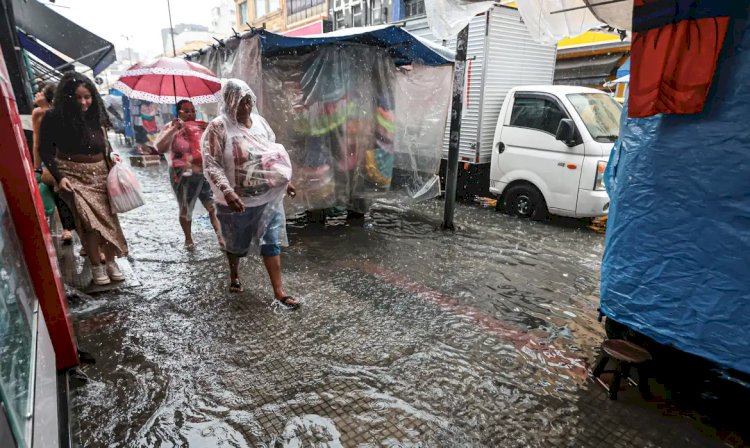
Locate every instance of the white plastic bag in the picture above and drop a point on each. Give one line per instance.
(124, 189)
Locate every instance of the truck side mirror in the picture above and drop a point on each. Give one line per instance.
(566, 131)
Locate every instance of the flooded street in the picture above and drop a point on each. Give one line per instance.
(408, 336)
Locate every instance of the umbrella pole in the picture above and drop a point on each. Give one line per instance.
(174, 86)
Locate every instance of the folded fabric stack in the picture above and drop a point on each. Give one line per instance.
(315, 173)
(379, 161)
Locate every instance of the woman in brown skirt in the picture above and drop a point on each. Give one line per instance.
(73, 145)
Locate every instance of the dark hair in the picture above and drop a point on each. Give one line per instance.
(49, 92)
(67, 108)
(179, 105)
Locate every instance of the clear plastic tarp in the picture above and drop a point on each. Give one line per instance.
(554, 20)
(356, 126)
(448, 17)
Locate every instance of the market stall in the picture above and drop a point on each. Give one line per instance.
(362, 112)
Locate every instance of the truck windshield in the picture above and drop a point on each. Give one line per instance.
(600, 113)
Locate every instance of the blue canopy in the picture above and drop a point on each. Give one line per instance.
(43, 53)
(624, 69)
(404, 47)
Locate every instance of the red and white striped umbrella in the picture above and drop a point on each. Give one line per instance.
(169, 80)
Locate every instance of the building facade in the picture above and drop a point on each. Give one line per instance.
(257, 13)
(355, 13)
(223, 18)
(305, 17)
(187, 37)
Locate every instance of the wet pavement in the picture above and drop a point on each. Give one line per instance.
(408, 337)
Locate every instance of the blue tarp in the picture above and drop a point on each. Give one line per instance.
(403, 47)
(677, 260)
(624, 69)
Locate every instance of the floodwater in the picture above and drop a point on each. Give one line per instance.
(409, 336)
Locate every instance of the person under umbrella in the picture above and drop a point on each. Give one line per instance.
(180, 139)
(249, 174)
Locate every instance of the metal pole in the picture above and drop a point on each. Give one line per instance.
(171, 28)
(451, 172)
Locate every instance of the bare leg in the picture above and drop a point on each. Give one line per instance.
(186, 224)
(108, 250)
(234, 267)
(214, 221)
(273, 266)
(91, 241)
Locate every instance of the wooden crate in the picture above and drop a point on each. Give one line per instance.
(144, 161)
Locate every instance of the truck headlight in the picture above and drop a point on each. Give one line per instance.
(599, 182)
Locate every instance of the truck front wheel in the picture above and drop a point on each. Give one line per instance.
(525, 201)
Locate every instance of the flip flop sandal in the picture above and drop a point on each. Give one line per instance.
(284, 302)
(235, 286)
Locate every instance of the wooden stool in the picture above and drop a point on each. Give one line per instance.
(626, 355)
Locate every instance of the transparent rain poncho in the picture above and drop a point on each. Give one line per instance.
(247, 161)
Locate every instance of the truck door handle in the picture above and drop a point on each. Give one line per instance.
(500, 147)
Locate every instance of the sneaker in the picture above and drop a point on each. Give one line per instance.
(113, 271)
(99, 273)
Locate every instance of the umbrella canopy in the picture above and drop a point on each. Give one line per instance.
(169, 80)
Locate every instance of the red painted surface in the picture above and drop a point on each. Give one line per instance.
(525, 343)
(307, 30)
(25, 204)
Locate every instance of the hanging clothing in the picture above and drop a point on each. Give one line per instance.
(675, 50)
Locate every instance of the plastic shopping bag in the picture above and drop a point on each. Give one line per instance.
(124, 189)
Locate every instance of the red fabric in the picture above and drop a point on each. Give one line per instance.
(672, 67)
(194, 131)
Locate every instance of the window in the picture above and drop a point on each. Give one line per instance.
(600, 113)
(377, 8)
(358, 19)
(414, 8)
(243, 12)
(297, 10)
(339, 17)
(261, 8)
(535, 112)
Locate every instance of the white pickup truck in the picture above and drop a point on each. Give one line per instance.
(550, 151)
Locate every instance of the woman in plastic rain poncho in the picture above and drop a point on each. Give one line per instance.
(250, 174)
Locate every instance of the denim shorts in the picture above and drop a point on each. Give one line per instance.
(188, 189)
(241, 230)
